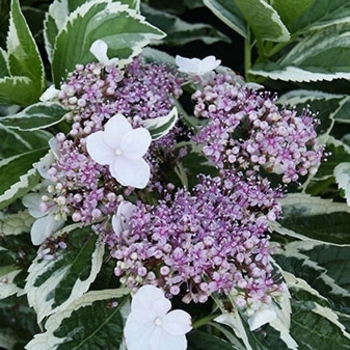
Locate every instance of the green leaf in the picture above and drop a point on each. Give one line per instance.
(23, 55)
(289, 10)
(314, 328)
(3, 64)
(320, 56)
(14, 142)
(92, 321)
(158, 127)
(322, 14)
(35, 117)
(313, 218)
(264, 20)
(324, 51)
(342, 178)
(123, 29)
(199, 340)
(180, 32)
(229, 13)
(343, 115)
(17, 90)
(315, 271)
(54, 284)
(338, 152)
(19, 176)
(275, 71)
(16, 318)
(15, 224)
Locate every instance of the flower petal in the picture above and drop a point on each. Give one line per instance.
(99, 50)
(49, 94)
(98, 150)
(32, 202)
(43, 228)
(208, 64)
(120, 221)
(187, 65)
(115, 129)
(264, 315)
(177, 322)
(130, 172)
(135, 143)
(161, 340)
(137, 334)
(146, 296)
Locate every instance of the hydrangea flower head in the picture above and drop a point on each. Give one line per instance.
(151, 327)
(122, 148)
(195, 66)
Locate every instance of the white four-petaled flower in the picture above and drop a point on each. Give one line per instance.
(195, 66)
(151, 327)
(122, 148)
(99, 50)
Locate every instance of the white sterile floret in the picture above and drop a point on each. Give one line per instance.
(150, 325)
(195, 66)
(46, 222)
(265, 314)
(120, 220)
(99, 50)
(49, 94)
(121, 148)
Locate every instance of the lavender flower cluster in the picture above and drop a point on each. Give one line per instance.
(193, 242)
(85, 190)
(210, 239)
(246, 130)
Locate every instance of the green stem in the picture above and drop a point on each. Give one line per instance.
(247, 55)
(203, 321)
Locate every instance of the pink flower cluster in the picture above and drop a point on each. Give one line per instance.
(192, 242)
(246, 130)
(211, 239)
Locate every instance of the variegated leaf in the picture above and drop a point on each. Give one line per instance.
(180, 32)
(342, 178)
(289, 11)
(229, 13)
(23, 55)
(15, 224)
(320, 270)
(14, 185)
(35, 117)
(54, 284)
(320, 56)
(158, 127)
(264, 20)
(3, 64)
(315, 219)
(322, 14)
(103, 323)
(17, 90)
(96, 20)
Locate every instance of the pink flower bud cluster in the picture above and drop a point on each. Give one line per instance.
(247, 130)
(195, 243)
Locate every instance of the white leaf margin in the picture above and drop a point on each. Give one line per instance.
(299, 75)
(24, 184)
(155, 126)
(293, 250)
(342, 178)
(47, 340)
(316, 206)
(37, 296)
(110, 9)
